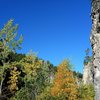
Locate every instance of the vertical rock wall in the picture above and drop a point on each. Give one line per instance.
(87, 73)
(95, 43)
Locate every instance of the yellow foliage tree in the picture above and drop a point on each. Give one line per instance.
(64, 84)
(30, 66)
(13, 87)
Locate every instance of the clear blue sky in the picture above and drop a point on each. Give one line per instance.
(56, 29)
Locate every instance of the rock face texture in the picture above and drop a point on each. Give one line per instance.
(95, 43)
(87, 73)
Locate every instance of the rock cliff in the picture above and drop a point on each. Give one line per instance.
(87, 73)
(95, 43)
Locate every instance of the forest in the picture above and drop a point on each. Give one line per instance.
(28, 77)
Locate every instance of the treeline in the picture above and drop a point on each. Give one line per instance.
(27, 77)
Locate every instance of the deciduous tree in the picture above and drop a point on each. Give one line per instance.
(8, 43)
(13, 79)
(65, 85)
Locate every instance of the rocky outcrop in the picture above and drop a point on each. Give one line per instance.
(87, 73)
(95, 43)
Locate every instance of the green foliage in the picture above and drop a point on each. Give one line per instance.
(78, 74)
(23, 94)
(36, 77)
(45, 95)
(86, 92)
(8, 43)
(87, 57)
(26, 77)
(12, 57)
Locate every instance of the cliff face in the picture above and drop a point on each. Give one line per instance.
(87, 73)
(95, 43)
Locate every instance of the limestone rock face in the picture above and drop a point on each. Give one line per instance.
(95, 43)
(87, 73)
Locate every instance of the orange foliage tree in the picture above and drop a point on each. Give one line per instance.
(64, 86)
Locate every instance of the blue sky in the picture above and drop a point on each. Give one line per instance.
(55, 29)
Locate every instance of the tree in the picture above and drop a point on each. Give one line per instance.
(46, 95)
(86, 92)
(87, 57)
(8, 43)
(65, 86)
(36, 77)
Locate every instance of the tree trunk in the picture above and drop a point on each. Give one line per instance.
(1, 87)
